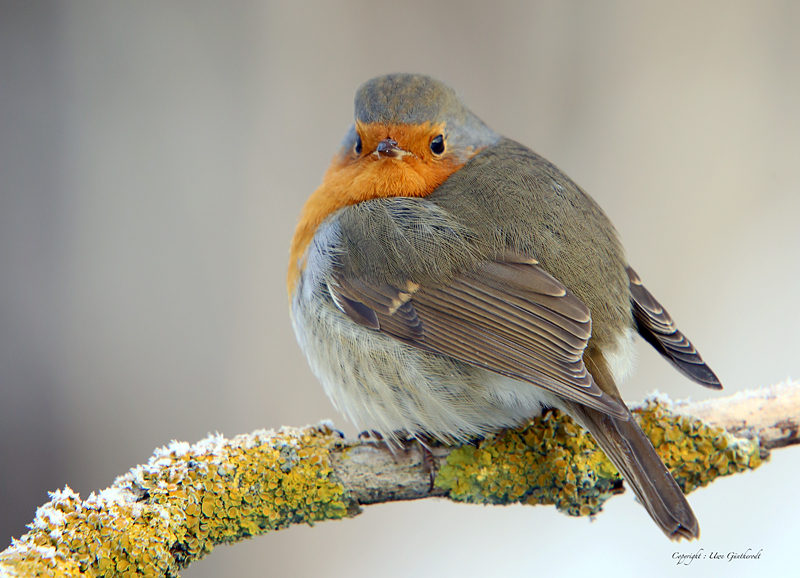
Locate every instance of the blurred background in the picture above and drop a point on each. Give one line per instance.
(154, 158)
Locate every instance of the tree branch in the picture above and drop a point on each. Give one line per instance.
(161, 516)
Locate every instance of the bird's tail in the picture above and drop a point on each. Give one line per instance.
(629, 449)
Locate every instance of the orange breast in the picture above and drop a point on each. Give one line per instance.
(351, 179)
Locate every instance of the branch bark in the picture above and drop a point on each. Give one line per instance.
(770, 414)
(163, 515)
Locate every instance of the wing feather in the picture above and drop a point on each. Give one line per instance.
(508, 316)
(658, 328)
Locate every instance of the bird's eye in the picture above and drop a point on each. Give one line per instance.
(437, 145)
(358, 145)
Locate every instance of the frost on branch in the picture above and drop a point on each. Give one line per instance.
(161, 516)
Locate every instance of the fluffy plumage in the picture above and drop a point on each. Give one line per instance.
(449, 291)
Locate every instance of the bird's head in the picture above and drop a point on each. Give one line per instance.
(411, 132)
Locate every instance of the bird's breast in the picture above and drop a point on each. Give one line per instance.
(349, 182)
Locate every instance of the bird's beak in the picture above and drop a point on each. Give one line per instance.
(388, 148)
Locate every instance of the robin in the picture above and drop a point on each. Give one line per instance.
(447, 282)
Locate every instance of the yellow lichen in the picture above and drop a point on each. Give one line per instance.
(550, 461)
(187, 499)
(695, 452)
(159, 517)
(554, 461)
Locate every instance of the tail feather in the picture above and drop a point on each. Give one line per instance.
(629, 449)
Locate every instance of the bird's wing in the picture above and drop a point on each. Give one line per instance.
(658, 328)
(509, 316)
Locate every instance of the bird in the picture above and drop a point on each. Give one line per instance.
(446, 282)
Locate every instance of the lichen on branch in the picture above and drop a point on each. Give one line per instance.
(161, 516)
(554, 461)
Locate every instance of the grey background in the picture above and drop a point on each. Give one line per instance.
(154, 158)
